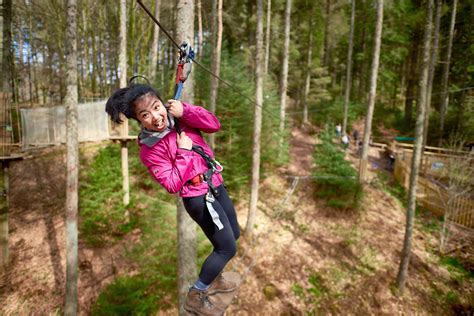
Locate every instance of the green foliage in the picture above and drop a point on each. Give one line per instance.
(127, 295)
(332, 112)
(102, 214)
(456, 268)
(336, 179)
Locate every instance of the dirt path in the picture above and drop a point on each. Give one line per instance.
(308, 258)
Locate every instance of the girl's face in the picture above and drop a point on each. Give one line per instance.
(151, 113)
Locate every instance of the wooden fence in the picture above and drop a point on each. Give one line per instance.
(431, 195)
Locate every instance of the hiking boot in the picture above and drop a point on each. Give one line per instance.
(221, 285)
(198, 302)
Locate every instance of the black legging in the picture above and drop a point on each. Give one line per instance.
(223, 240)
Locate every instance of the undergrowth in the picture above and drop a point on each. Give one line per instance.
(153, 286)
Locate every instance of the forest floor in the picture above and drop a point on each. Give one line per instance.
(305, 258)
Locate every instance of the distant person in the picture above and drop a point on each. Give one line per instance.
(178, 162)
(338, 130)
(355, 136)
(345, 141)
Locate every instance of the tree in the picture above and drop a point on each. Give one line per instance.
(216, 62)
(186, 226)
(445, 78)
(309, 61)
(257, 122)
(6, 62)
(199, 13)
(415, 163)
(72, 158)
(123, 131)
(268, 34)
(431, 71)
(372, 92)
(284, 70)
(347, 93)
(154, 45)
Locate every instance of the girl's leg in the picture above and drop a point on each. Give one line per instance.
(229, 209)
(223, 240)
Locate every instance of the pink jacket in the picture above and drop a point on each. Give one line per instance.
(171, 166)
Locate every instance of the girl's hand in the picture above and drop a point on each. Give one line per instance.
(183, 141)
(175, 108)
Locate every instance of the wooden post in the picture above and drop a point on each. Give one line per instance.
(4, 253)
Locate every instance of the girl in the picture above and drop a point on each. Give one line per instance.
(174, 162)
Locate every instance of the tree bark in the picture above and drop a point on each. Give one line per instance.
(445, 78)
(216, 65)
(412, 75)
(327, 44)
(431, 71)
(257, 122)
(199, 48)
(372, 92)
(123, 129)
(6, 51)
(415, 163)
(154, 45)
(349, 69)
(309, 61)
(267, 35)
(72, 158)
(284, 71)
(186, 226)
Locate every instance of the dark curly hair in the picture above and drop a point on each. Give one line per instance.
(123, 101)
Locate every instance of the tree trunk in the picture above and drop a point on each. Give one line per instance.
(444, 84)
(308, 71)
(349, 69)
(412, 75)
(6, 51)
(216, 65)
(199, 15)
(186, 226)
(327, 44)
(72, 158)
(284, 71)
(154, 45)
(267, 35)
(372, 92)
(415, 163)
(123, 127)
(431, 72)
(257, 122)
(6, 62)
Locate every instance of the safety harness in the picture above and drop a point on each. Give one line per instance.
(185, 59)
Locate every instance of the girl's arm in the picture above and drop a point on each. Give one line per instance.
(200, 118)
(172, 175)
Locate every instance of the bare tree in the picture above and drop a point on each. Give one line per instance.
(72, 158)
(445, 78)
(267, 35)
(186, 226)
(6, 62)
(309, 61)
(199, 15)
(433, 61)
(123, 129)
(284, 70)
(154, 45)
(216, 62)
(372, 92)
(257, 122)
(347, 94)
(415, 163)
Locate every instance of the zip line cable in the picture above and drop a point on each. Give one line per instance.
(228, 84)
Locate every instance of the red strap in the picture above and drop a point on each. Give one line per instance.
(179, 72)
